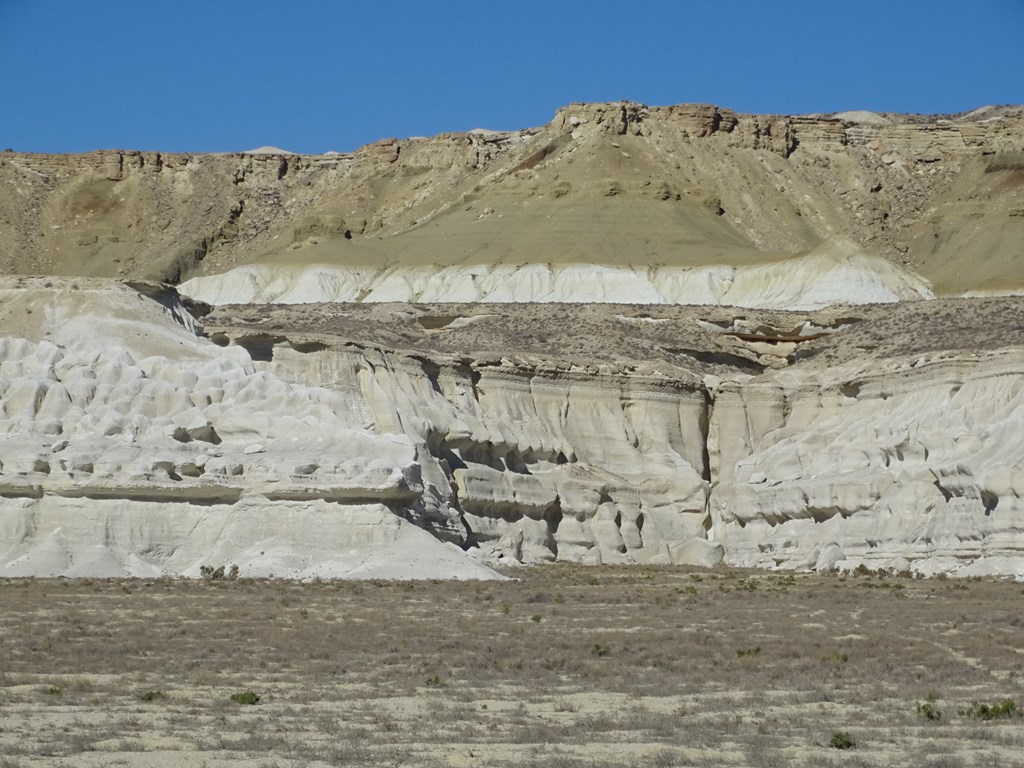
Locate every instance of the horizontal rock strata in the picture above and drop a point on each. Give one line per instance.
(432, 439)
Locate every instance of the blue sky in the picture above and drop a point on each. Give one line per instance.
(314, 75)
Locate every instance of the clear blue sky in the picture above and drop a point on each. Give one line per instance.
(315, 75)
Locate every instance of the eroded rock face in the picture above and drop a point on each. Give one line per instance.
(384, 440)
(916, 466)
(129, 446)
(842, 275)
(518, 411)
(880, 437)
(540, 463)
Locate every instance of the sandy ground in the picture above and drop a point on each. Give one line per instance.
(566, 666)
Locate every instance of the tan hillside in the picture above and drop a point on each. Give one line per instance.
(619, 184)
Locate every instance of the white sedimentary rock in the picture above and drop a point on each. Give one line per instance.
(840, 275)
(130, 446)
(918, 465)
(114, 460)
(578, 467)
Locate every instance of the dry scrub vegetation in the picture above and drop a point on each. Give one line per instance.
(567, 666)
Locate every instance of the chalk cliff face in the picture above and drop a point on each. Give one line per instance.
(132, 447)
(916, 466)
(383, 440)
(823, 440)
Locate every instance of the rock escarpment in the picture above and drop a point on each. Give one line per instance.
(631, 188)
(916, 466)
(842, 274)
(824, 440)
(130, 446)
(428, 440)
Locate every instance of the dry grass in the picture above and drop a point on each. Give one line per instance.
(626, 666)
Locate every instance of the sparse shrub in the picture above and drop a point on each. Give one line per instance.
(928, 710)
(536, 618)
(434, 681)
(151, 696)
(842, 740)
(53, 690)
(1002, 710)
(245, 697)
(748, 652)
(600, 650)
(210, 573)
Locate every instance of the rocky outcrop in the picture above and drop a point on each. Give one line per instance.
(662, 434)
(620, 185)
(574, 378)
(901, 460)
(129, 446)
(427, 441)
(540, 461)
(913, 466)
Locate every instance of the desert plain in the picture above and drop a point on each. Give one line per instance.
(561, 666)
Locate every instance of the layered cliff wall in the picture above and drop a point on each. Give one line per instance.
(430, 440)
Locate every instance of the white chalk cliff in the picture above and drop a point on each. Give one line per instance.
(392, 441)
(131, 447)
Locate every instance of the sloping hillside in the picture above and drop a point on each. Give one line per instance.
(620, 185)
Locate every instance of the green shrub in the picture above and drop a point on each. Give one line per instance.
(928, 710)
(152, 696)
(748, 652)
(1002, 710)
(842, 740)
(210, 573)
(600, 650)
(245, 697)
